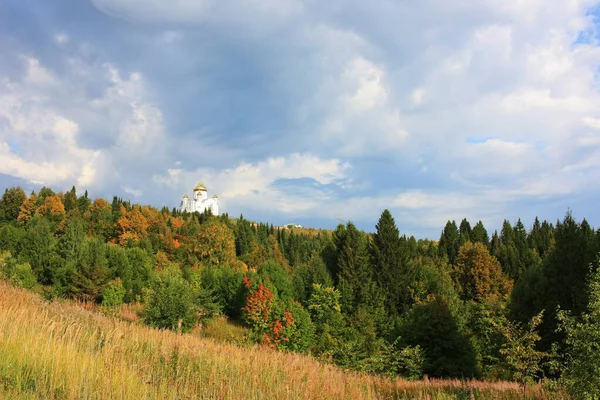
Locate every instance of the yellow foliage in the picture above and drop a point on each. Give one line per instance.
(27, 209)
(53, 207)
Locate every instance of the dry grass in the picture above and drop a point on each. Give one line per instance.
(61, 351)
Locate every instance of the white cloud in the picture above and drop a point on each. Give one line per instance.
(410, 85)
(362, 121)
(254, 184)
(48, 119)
(61, 38)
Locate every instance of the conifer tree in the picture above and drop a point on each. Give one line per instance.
(464, 232)
(389, 265)
(479, 234)
(449, 242)
(354, 268)
(70, 199)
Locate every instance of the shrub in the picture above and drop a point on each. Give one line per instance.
(292, 329)
(171, 303)
(19, 275)
(113, 294)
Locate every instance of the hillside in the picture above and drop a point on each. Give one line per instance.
(58, 350)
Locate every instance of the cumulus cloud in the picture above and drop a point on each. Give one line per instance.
(442, 109)
(255, 185)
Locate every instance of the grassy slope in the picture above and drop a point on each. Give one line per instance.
(59, 350)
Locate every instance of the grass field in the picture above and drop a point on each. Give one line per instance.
(59, 350)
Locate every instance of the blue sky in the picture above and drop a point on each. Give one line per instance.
(309, 112)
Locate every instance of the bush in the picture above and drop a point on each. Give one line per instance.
(407, 362)
(113, 294)
(292, 329)
(19, 275)
(23, 276)
(171, 303)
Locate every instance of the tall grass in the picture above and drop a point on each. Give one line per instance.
(59, 350)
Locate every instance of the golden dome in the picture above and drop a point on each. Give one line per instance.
(215, 196)
(185, 196)
(200, 188)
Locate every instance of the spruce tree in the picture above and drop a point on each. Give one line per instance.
(389, 265)
(479, 234)
(449, 242)
(464, 232)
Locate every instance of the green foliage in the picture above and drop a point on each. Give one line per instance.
(10, 236)
(479, 234)
(227, 286)
(113, 293)
(519, 350)
(19, 275)
(38, 247)
(391, 266)
(308, 274)
(208, 305)
(276, 278)
(298, 334)
(408, 361)
(343, 295)
(11, 203)
(486, 323)
(171, 303)
(325, 312)
(433, 327)
(449, 242)
(91, 271)
(581, 374)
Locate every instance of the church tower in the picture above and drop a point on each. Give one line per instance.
(200, 201)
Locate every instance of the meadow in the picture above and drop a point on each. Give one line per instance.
(60, 350)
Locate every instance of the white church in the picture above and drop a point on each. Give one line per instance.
(200, 202)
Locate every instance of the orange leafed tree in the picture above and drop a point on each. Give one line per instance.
(53, 208)
(131, 225)
(479, 274)
(27, 209)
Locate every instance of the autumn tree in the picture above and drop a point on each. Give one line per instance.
(131, 226)
(27, 209)
(43, 194)
(479, 274)
(53, 209)
(214, 244)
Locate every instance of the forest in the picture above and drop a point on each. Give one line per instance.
(522, 304)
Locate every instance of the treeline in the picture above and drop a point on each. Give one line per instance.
(519, 304)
